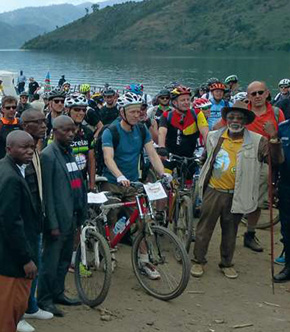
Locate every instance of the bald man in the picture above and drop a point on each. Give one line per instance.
(64, 197)
(18, 231)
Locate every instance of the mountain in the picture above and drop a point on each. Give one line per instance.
(23, 24)
(177, 25)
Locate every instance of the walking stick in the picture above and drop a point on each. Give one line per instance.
(271, 216)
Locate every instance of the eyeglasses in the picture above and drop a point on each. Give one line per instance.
(235, 117)
(255, 93)
(57, 101)
(10, 108)
(79, 109)
(39, 121)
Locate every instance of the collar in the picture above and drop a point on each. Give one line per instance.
(226, 136)
(9, 122)
(64, 149)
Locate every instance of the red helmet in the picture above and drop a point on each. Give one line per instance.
(217, 86)
(180, 91)
(201, 103)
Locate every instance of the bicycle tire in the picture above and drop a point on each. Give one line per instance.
(262, 224)
(157, 241)
(87, 285)
(183, 224)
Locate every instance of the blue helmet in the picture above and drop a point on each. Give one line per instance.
(135, 88)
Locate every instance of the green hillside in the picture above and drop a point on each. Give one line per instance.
(176, 25)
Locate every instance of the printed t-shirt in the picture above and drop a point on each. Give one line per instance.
(224, 168)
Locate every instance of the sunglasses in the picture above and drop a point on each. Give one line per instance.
(205, 108)
(284, 87)
(164, 98)
(57, 101)
(79, 109)
(255, 93)
(38, 122)
(10, 108)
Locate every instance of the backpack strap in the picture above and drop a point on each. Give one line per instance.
(115, 135)
(143, 133)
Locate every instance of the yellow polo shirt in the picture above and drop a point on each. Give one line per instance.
(224, 168)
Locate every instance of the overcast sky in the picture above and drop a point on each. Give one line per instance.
(7, 5)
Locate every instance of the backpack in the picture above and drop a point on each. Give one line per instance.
(115, 139)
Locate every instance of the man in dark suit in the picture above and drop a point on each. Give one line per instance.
(18, 231)
(65, 209)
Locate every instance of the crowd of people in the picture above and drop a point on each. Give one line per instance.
(53, 145)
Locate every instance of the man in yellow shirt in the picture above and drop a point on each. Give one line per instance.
(228, 182)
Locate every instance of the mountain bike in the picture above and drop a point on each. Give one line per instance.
(157, 243)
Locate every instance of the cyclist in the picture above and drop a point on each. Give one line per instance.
(85, 89)
(284, 93)
(122, 160)
(97, 100)
(203, 105)
(66, 87)
(210, 82)
(217, 90)
(163, 101)
(110, 111)
(232, 83)
(138, 89)
(151, 124)
(83, 143)
(23, 104)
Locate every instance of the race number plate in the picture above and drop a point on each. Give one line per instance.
(155, 191)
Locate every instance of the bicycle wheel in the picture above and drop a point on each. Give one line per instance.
(162, 245)
(184, 222)
(93, 279)
(264, 221)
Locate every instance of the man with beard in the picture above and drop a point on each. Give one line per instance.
(110, 111)
(228, 182)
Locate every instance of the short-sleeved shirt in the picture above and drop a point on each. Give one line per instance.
(182, 131)
(224, 167)
(109, 115)
(216, 111)
(127, 153)
(82, 144)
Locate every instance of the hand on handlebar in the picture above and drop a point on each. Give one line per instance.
(123, 181)
(167, 179)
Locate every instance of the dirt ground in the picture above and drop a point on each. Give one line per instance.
(221, 304)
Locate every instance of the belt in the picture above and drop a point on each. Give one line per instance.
(226, 191)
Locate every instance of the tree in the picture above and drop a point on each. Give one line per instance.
(87, 11)
(95, 7)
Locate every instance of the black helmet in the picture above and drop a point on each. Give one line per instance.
(212, 80)
(24, 93)
(56, 93)
(109, 92)
(163, 93)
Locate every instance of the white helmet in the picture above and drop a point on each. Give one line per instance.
(285, 81)
(239, 96)
(129, 98)
(76, 99)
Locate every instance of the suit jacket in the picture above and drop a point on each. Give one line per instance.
(18, 221)
(58, 194)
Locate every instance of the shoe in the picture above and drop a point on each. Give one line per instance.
(64, 300)
(251, 241)
(150, 271)
(84, 273)
(23, 326)
(53, 309)
(280, 260)
(229, 272)
(40, 314)
(197, 270)
(283, 276)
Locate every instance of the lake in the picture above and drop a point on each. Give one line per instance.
(153, 70)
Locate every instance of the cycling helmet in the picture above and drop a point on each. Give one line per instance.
(201, 103)
(65, 83)
(212, 80)
(284, 82)
(231, 78)
(129, 98)
(180, 91)
(24, 94)
(84, 88)
(172, 85)
(163, 93)
(203, 87)
(97, 96)
(75, 100)
(56, 93)
(135, 88)
(109, 92)
(242, 96)
(217, 86)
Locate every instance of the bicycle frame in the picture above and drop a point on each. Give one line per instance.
(143, 208)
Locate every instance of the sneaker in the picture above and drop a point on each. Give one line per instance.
(23, 326)
(280, 260)
(40, 314)
(84, 273)
(229, 272)
(150, 271)
(197, 270)
(251, 241)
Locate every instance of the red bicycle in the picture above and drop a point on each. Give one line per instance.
(158, 245)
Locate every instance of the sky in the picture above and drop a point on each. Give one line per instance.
(15, 4)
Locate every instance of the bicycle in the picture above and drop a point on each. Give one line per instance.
(183, 199)
(159, 244)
